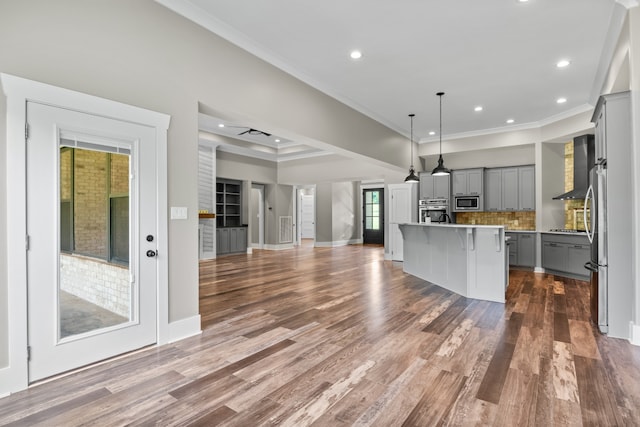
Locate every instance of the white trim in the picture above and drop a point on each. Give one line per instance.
(184, 328)
(337, 243)
(634, 334)
(538, 270)
(18, 91)
(278, 247)
(628, 3)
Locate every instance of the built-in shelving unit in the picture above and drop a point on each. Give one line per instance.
(228, 203)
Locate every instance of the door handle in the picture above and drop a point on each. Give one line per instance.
(151, 253)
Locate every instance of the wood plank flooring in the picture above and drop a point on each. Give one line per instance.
(339, 337)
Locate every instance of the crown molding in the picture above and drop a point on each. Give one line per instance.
(628, 3)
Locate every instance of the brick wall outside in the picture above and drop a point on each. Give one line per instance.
(96, 281)
(90, 203)
(119, 174)
(65, 174)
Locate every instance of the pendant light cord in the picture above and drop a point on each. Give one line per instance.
(411, 159)
(440, 95)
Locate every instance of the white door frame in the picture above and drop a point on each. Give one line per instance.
(260, 213)
(14, 377)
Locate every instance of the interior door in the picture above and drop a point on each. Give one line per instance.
(373, 216)
(91, 222)
(308, 211)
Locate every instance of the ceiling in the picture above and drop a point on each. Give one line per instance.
(498, 54)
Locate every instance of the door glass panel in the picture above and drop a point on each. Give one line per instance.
(372, 210)
(94, 281)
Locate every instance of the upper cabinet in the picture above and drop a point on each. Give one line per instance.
(510, 189)
(527, 188)
(467, 182)
(434, 187)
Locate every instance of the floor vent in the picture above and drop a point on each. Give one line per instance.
(286, 229)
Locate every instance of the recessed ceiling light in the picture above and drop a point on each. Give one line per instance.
(221, 125)
(478, 108)
(355, 54)
(509, 121)
(522, 1)
(563, 63)
(432, 133)
(277, 140)
(561, 100)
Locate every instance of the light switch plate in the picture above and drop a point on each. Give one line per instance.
(179, 212)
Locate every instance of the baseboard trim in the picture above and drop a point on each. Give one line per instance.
(634, 334)
(337, 243)
(278, 247)
(538, 270)
(184, 328)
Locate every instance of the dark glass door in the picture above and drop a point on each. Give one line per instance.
(373, 216)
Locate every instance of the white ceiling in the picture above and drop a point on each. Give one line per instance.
(500, 54)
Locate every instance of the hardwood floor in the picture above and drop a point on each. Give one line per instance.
(334, 337)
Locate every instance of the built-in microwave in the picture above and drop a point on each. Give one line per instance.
(467, 203)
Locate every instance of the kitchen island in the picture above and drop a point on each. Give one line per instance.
(471, 260)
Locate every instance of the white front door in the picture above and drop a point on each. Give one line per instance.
(92, 227)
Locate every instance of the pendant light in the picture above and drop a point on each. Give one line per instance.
(440, 169)
(412, 172)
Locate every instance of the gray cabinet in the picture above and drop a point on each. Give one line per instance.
(566, 255)
(526, 188)
(554, 256)
(228, 203)
(467, 182)
(493, 190)
(434, 187)
(231, 240)
(577, 256)
(509, 189)
(522, 249)
(512, 244)
(527, 249)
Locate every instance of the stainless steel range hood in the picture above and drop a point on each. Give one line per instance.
(583, 160)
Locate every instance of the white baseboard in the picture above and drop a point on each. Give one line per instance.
(279, 247)
(634, 334)
(13, 379)
(184, 328)
(337, 243)
(249, 250)
(538, 270)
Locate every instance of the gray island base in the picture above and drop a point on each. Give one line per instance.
(471, 260)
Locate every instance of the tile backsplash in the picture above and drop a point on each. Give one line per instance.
(511, 220)
(573, 214)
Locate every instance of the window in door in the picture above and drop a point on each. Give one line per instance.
(373, 232)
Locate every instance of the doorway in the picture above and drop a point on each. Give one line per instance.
(307, 216)
(373, 216)
(92, 226)
(257, 212)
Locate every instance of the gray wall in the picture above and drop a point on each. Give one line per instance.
(552, 185)
(278, 202)
(324, 218)
(346, 214)
(140, 53)
(4, 320)
(338, 212)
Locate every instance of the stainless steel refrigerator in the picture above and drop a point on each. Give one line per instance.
(596, 226)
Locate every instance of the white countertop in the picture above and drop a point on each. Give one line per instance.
(440, 224)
